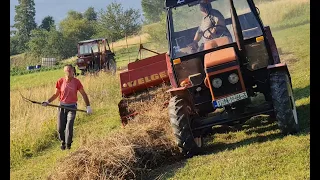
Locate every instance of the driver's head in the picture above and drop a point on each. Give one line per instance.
(205, 7)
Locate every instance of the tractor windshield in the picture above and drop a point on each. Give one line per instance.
(86, 48)
(192, 22)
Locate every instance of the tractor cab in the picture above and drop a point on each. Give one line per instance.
(95, 55)
(217, 63)
(220, 56)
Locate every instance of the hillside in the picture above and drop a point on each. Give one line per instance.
(254, 151)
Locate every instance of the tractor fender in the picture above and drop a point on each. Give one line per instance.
(280, 67)
(177, 91)
(181, 92)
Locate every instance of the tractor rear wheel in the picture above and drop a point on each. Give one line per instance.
(179, 113)
(283, 102)
(112, 66)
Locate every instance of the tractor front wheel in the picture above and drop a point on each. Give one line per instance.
(283, 102)
(179, 113)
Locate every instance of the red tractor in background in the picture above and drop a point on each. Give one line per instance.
(95, 55)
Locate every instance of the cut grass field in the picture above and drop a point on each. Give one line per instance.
(254, 151)
(33, 127)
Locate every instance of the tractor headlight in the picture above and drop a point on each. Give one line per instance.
(233, 78)
(216, 82)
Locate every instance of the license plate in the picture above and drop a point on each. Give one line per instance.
(230, 99)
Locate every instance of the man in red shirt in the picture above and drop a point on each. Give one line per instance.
(66, 89)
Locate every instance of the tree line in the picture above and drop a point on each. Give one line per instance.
(59, 41)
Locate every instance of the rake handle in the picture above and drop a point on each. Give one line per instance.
(64, 107)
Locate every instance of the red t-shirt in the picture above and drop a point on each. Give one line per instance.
(68, 90)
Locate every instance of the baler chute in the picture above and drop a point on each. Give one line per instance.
(140, 76)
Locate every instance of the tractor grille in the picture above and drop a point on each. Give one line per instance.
(227, 87)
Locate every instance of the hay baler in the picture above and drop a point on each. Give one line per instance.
(139, 77)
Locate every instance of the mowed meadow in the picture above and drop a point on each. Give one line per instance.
(255, 151)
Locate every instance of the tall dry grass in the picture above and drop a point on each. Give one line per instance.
(278, 12)
(33, 127)
(145, 143)
(143, 38)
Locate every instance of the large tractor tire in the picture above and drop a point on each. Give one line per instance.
(112, 66)
(283, 102)
(179, 113)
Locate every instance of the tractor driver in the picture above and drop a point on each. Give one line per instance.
(212, 26)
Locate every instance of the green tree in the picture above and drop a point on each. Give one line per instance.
(14, 43)
(115, 23)
(45, 43)
(90, 14)
(74, 15)
(57, 45)
(152, 9)
(74, 29)
(47, 23)
(37, 43)
(24, 21)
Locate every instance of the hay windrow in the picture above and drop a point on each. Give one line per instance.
(144, 144)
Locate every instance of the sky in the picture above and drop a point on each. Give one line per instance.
(58, 8)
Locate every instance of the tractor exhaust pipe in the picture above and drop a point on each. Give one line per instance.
(237, 29)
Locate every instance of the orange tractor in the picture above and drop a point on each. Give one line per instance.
(213, 81)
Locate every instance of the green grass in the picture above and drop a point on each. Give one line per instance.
(35, 79)
(41, 151)
(86, 128)
(285, 13)
(33, 127)
(268, 158)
